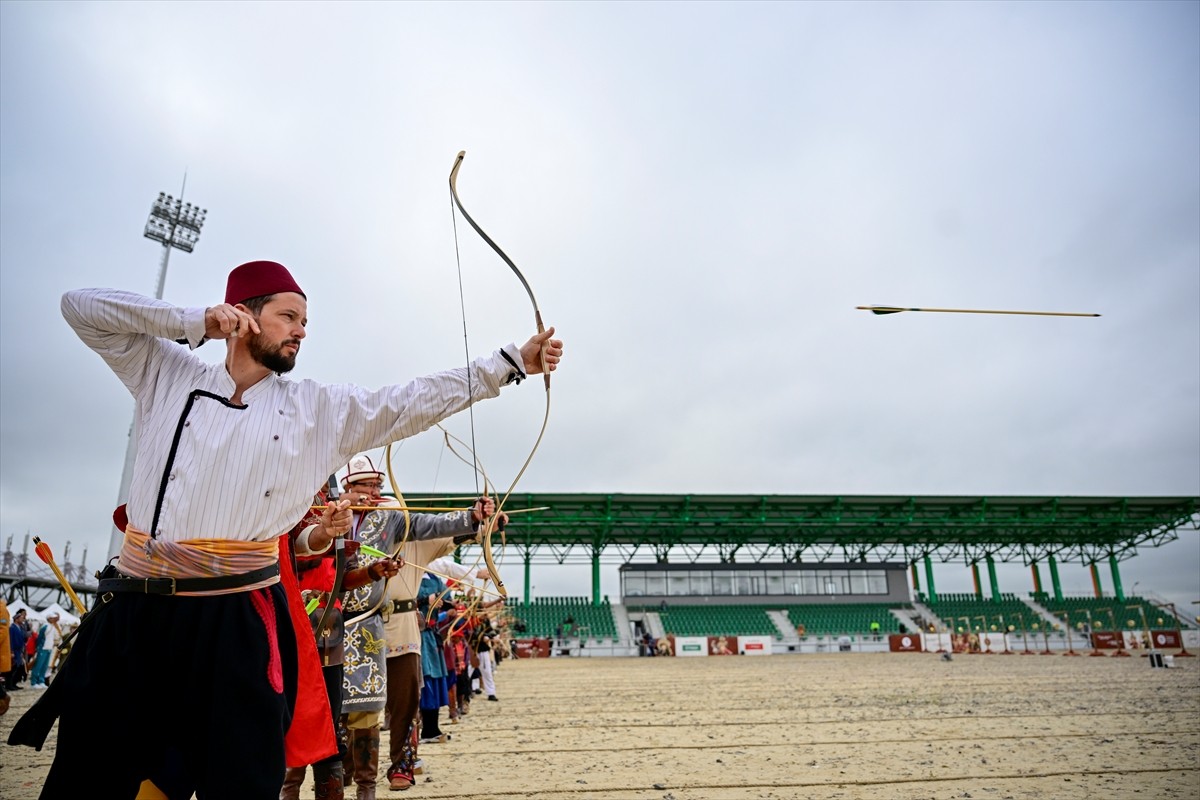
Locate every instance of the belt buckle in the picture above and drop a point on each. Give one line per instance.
(146, 585)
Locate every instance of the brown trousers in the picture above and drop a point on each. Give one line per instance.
(403, 702)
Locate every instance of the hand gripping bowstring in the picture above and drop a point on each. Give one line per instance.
(489, 525)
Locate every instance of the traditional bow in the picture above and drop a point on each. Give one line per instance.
(339, 568)
(486, 532)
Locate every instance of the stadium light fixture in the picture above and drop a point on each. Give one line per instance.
(174, 224)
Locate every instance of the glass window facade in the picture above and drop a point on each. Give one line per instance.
(753, 582)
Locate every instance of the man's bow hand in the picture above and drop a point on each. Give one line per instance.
(541, 347)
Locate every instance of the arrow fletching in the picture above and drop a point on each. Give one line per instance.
(371, 551)
(43, 550)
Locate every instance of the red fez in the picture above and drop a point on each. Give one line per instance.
(259, 278)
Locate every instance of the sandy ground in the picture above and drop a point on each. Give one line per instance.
(848, 727)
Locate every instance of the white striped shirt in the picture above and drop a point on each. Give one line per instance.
(249, 473)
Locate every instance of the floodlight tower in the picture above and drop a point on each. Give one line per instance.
(175, 225)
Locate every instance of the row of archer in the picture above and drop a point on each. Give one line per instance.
(400, 626)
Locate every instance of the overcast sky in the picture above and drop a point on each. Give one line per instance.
(699, 195)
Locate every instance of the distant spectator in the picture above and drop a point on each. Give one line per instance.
(875, 629)
(16, 639)
(30, 648)
(801, 631)
(6, 651)
(49, 635)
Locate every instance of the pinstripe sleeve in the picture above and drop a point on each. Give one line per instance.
(127, 329)
(376, 418)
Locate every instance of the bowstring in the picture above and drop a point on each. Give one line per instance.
(462, 305)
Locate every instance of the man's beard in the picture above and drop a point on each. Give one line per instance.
(273, 358)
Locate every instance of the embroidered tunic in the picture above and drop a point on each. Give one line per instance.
(367, 645)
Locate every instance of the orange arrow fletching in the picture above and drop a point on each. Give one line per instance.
(43, 550)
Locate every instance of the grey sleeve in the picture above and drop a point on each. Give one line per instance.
(439, 526)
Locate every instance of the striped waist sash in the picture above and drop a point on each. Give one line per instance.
(191, 561)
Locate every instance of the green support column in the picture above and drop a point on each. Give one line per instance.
(1055, 582)
(975, 579)
(916, 577)
(991, 564)
(1118, 590)
(1097, 587)
(929, 579)
(596, 577)
(528, 573)
(1037, 578)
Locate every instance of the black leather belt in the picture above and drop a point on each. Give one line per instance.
(400, 606)
(177, 585)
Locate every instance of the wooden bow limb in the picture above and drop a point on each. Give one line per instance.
(895, 310)
(339, 570)
(537, 315)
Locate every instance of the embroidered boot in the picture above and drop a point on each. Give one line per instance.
(328, 778)
(291, 783)
(366, 761)
(400, 773)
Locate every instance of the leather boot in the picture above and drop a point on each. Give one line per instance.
(328, 778)
(348, 766)
(291, 783)
(366, 761)
(348, 756)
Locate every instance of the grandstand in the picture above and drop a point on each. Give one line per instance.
(715, 620)
(833, 620)
(972, 612)
(813, 627)
(556, 617)
(1109, 613)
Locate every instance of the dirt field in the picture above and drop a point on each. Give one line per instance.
(877, 727)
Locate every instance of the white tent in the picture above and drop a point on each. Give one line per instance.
(32, 613)
(64, 617)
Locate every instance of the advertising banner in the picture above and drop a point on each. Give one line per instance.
(722, 645)
(754, 645)
(904, 643)
(1166, 638)
(1107, 640)
(691, 646)
(532, 648)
